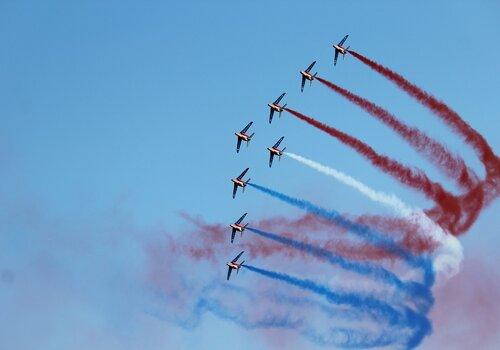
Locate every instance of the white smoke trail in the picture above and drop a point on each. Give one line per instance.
(447, 257)
(388, 200)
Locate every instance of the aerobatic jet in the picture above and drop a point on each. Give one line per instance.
(275, 151)
(233, 265)
(243, 136)
(239, 182)
(275, 107)
(340, 49)
(238, 226)
(306, 74)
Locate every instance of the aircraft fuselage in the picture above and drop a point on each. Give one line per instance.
(233, 265)
(242, 136)
(341, 49)
(275, 151)
(240, 183)
(307, 75)
(237, 227)
(275, 107)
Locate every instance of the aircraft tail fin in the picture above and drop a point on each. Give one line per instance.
(240, 266)
(282, 108)
(282, 151)
(250, 137)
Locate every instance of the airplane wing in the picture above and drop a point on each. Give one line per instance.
(238, 144)
(310, 66)
(279, 98)
(243, 174)
(271, 113)
(279, 141)
(232, 235)
(245, 129)
(343, 40)
(235, 187)
(241, 219)
(237, 256)
(336, 57)
(271, 157)
(303, 83)
(229, 272)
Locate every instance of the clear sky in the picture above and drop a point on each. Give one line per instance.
(117, 115)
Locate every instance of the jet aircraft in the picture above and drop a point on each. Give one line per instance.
(238, 226)
(340, 49)
(275, 107)
(306, 74)
(275, 151)
(233, 265)
(243, 136)
(239, 182)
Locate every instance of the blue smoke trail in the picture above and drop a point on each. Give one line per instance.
(374, 307)
(204, 303)
(367, 233)
(332, 336)
(378, 273)
(349, 339)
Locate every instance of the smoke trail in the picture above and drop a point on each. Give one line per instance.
(485, 153)
(363, 231)
(414, 178)
(448, 256)
(451, 164)
(449, 116)
(390, 201)
(489, 189)
(205, 241)
(413, 289)
(376, 309)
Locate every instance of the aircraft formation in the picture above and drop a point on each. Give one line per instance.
(243, 135)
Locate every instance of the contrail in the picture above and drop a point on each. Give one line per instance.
(372, 306)
(388, 200)
(449, 255)
(450, 164)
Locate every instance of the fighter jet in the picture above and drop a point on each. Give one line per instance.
(233, 265)
(242, 136)
(275, 107)
(237, 226)
(340, 49)
(307, 75)
(240, 182)
(275, 151)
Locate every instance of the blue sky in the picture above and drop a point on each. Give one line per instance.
(118, 115)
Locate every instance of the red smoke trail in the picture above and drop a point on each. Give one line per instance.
(207, 242)
(490, 161)
(412, 177)
(451, 164)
